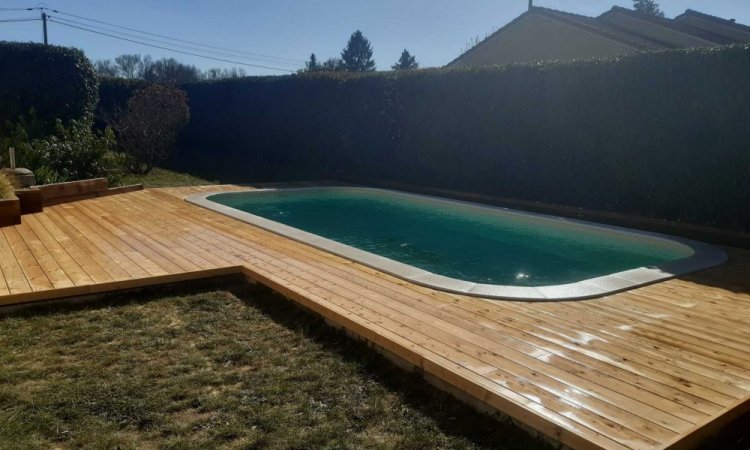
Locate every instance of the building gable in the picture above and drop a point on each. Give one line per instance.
(546, 34)
(536, 36)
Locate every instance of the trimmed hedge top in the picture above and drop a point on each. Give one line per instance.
(662, 135)
(57, 82)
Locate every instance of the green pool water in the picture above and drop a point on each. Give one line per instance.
(458, 240)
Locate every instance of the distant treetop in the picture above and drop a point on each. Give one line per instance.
(165, 70)
(406, 62)
(649, 7)
(357, 55)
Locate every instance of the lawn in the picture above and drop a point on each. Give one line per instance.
(163, 178)
(230, 367)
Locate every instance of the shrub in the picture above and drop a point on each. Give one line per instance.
(148, 128)
(6, 187)
(660, 135)
(55, 82)
(73, 152)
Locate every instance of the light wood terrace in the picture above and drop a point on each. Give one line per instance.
(655, 367)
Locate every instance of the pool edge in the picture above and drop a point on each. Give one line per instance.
(704, 255)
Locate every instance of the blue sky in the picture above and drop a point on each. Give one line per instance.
(434, 30)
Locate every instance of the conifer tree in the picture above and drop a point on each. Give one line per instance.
(312, 65)
(357, 55)
(406, 62)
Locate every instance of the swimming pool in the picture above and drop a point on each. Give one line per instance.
(464, 247)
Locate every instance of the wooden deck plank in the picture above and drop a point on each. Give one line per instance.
(93, 246)
(75, 273)
(11, 268)
(111, 237)
(95, 272)
(176, 258)
(647, 368)
(33, 272)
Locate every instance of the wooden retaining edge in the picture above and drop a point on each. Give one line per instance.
(10, 212)
(36, 198)
(709, 428)
(120, 190)
(56, 193)
(113, 286)
(691, 231)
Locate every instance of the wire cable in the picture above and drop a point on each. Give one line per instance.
(171, 49)
(24, 19)
(232, 55)
(175, 39)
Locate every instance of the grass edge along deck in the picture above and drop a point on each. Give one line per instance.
(658, 367)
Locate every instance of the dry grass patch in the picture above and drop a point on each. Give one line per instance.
(7, 187)
(163, 178)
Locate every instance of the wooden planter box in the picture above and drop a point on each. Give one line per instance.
(31, 200)
(54, 194)
(10, 212)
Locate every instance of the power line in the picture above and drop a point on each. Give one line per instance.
(169, 49)
(24, 19)
(175, 39)
(174, 44)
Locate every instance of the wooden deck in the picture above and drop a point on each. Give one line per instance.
(655, 367)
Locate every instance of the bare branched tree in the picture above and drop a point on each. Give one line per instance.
(148, 128)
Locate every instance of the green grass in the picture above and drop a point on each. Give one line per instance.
(238, 367)
(163, 178)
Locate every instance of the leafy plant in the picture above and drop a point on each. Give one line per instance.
(73, 152)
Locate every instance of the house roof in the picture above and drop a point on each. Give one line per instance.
(594, 25)
(584, 22)
(727, 22)
(671, 24)
(627, 37)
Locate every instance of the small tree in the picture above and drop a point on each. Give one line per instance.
(357, 55)
(649, 7)
(333, 65)
(406, 62)
(106, 68)
(312, 65)
(148, 128)
(128, 65)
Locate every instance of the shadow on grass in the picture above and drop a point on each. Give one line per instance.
(450, 415)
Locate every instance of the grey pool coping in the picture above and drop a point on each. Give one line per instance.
(703, 257)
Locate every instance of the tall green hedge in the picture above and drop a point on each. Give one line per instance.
(57, 82)
(663, 135)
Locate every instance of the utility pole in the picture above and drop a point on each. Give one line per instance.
(44, 25)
